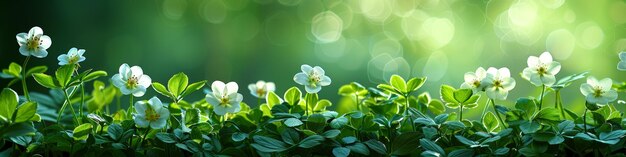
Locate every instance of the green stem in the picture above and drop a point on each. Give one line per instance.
(258, 102)
(24, 86)
(559, 104)
(67, 98)
(82, 99)
(484, 110)
(145, 134)
(543, 90)
(585, 120)
(497, 114)
(461, 112)
(356, 100)
(130, 107)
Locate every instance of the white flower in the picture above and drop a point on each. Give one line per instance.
(541, 70)
(598, 92)
(622, 61)
(473, 80)
(498, 83)
(34, 43)
(74, 56)
(312, 78)
(151, 113)
(224, 97)
(261, 88)
(131, 80)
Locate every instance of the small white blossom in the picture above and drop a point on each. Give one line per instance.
(261, 88)
(34, 43)
(498, 83)
(131, 80)
(473, 80)
(74, 56)
(224, 97)
(312, 78)
(541, 70)
(151, 113)
(598, 92)
(622, 61)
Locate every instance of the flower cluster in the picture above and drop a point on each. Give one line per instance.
(495, 82)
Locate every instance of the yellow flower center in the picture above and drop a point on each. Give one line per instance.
(597, 91)
(132, 82)
(151, 114)
(497, 83)
(260, 92)
(314, 78)
(224, 101)
(72, 59)
(542, 70)
(33, 43)
(476, 83)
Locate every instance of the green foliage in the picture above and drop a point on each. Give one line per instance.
(178, 87)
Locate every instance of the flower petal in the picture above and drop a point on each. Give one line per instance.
(301, 78)
(554, 68)
(136, 71)
(211, 99)
(325, 81)
(270, 87)
(231, 87)
(532, 61)
(621, 66)
(124, 71)
(40, 53)
(535, 79)
(622, 55)
(508, 83)
(481, 73)
(610, 95)
(606, 83)
(139, 91)
(253, 90)
(72, 51)
(594, 100)
(158, 124)
(504, 72)
(155, 103)
(217, 88)
(144, 80)
(493, 71)
(219, 110)
(469, 77)
(45, 42)
(310, 89)
(141, 107)
(548, 80)
(497, 94)
(306, 68)
(592, 81)
(545, 57)
(63, 59)
(319, 70)
(35, 31)
(21, 38)
(141, 121)
(81, 52)
(24, 51)
(586, 89)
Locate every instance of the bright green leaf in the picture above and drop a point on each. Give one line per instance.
(82, 131)
(447, 94)
(177, 84)
(25, 112)
(45, 80)
(8, 103)
(398, 83)
(292, 95)
(64, 75)
(490, 122)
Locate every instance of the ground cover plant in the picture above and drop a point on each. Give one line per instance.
(392, 119)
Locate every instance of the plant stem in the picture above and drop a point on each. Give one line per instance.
(82, 99)
(145, 134)
(130, 107)
(543, 90)
(67, 98)
(585, 120)
(24, 86)
(484, 110)
(258, 102)
(558, 104)
(461, 112)
(497, 114)
(356, 100)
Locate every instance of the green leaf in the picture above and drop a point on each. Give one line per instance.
(465, 141)
(94, 75)
(501, 151)
(272, 99)
(436, 107)
(548, 116)
(490, 122)
(82, 131)
(159, 88)
(36, 69)
(311, 141)
(321, 105)
(472, 100)
(290, 136)
(359, 148)
(612, 137)
(166, 137)
(177, 84)
(15, 69)
(25, 112)
(461, 153)
(18, 129)
(414, 84)
(292, 95)
(432, 146)
(267, 144)
(115, 131)
(45, 80)
(528, 106)
(239, 136)
(558, 139)
(194, 87)
(341, 151)
(293, 122)
(389, 88)
(311, 98)
(8, 103)
(447, 94)
(462, 95)
(425, 121)
(339, 122)
(566, 81)
(331, 133)
(349, 140)
(64, 75)
(377, 146)
(529, 127)
(405, 143)
(398, 83)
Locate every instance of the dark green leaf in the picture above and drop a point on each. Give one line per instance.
(82, 131)
(311, 141)
(431, 146)
(529, 127)
(165, 137)
(239, 136)
(331, 133)
(377, 146)
(341, 151)
(267, 144)
(290, 136)
(359, 148)
(293, 122)
(339, 122)
(405, 143)
(461, 153)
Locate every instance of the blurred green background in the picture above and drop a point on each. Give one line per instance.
(353, 40)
